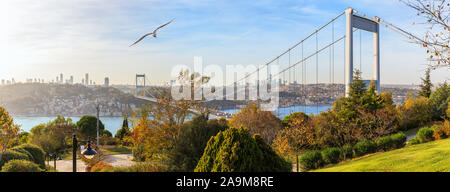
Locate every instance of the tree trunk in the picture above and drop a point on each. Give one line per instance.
(1, 154)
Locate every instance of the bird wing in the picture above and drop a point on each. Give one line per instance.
(141, 39)
(163, 26)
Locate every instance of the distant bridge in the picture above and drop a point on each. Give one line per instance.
(295, 68)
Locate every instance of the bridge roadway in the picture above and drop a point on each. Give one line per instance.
(215, 114)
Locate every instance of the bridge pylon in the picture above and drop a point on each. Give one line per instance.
(140, 83)
(371, 25)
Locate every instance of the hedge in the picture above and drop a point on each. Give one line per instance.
(385, 143)
(19, 165)
(36, 152)
(425, 134)
(347, 151)
(399, 140)
(23, 151)
(364, 147)
(331, 155)
(311, 160)
(10, 155)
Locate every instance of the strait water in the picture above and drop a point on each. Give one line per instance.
(113, 124)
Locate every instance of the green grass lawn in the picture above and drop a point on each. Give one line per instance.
(428, 157)
(116, 150)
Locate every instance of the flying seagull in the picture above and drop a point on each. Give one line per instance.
(152, 33)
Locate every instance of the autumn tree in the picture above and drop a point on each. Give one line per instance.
(264, 123)
(298, 136)
(156, 127)
(8, 131)
(436, 15)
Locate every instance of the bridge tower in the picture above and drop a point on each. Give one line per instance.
(367, 25)
(140, 83)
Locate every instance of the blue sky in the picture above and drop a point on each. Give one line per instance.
(40, 39)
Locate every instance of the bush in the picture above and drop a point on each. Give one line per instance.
(36, 152)
(414, 141)
(331, 155)
(399, 140)
(23, 151)
(18, 165)
(102, 167)
(385, 143)
(425, 134)
(141, 167)
(235, 150)
(311, 160)
(364, 147)
(10, 155)
(347, 151)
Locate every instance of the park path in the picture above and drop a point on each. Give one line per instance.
(119, 160)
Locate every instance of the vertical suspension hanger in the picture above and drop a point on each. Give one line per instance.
(317, 71)
(290, 80)
(304, 81)
(332, 60)
(289, 66)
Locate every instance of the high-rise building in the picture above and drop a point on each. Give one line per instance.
(61, 79)
(86, 79)
(71, 79)
(82, 81)
(106, 81)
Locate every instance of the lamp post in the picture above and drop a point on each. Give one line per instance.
(89, 153)
(98, 126)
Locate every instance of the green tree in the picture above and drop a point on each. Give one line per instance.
(124, 131)
(87, 126)
(235, 150)
(55, 136)
(8, 131)
(439, 100)
(192, 141)
(425, 87)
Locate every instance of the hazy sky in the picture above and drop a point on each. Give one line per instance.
(41, 39)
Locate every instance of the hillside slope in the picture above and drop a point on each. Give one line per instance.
(428, 157)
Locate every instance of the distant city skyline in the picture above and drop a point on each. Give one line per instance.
(72, 38)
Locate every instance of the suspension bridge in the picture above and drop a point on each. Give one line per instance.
(310, 65)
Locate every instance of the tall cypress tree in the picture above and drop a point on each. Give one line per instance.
(425, 87)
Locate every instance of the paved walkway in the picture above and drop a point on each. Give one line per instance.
(115, 160)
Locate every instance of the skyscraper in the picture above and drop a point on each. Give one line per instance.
(106, 81)
(61, 79)
(86, 79)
